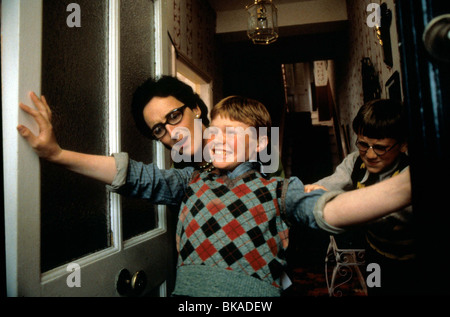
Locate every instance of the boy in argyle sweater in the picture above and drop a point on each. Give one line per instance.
(233, 222)
(232, 230)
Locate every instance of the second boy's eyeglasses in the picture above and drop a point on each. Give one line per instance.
(379, 150)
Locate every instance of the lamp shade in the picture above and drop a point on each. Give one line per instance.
(262, 24)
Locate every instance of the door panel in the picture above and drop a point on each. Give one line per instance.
(74, 209)
(136, 65)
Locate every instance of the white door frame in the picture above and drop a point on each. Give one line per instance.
(15, 60)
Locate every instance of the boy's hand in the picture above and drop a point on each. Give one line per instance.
(310, 187)
(45, 144)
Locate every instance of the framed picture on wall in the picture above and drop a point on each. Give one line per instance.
(385, 30)
(370, 80)
(393, 87)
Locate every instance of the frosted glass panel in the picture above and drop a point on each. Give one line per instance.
(136, 65)
(75, 216)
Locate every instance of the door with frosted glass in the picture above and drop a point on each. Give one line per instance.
(66, 235)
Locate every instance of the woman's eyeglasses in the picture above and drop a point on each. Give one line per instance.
(173, 117)
(378, 149)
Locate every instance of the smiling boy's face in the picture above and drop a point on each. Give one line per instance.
(229, 145)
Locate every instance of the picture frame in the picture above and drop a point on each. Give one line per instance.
(385, 30)
(393, 87)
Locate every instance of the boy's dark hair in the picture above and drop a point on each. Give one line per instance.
(380, 119)
(165, 86)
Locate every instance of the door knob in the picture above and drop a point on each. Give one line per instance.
(436, 38)
(128, 285)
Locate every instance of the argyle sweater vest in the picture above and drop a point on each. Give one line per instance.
(234, 224)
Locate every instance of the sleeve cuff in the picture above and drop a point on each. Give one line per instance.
(318, 212)
(120, 179)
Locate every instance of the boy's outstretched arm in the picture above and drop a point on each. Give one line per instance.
(102, 168)
(369, 203)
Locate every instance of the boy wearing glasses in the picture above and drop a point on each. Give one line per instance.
(381, 129)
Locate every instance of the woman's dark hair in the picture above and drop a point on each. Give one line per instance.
(380, 119)
(165, 86)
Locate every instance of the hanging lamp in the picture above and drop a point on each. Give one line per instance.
(262, 24)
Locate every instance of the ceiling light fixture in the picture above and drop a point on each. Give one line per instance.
(262, 24)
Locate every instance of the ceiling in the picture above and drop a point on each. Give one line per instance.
(226, 5)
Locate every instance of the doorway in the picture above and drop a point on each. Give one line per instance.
(57, 224)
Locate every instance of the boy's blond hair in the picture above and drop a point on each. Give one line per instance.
(245, 110)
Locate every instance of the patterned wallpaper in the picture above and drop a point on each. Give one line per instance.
(192, 31)
(362, 42)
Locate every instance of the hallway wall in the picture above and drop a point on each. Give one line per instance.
(192, 30)
(362, 42)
